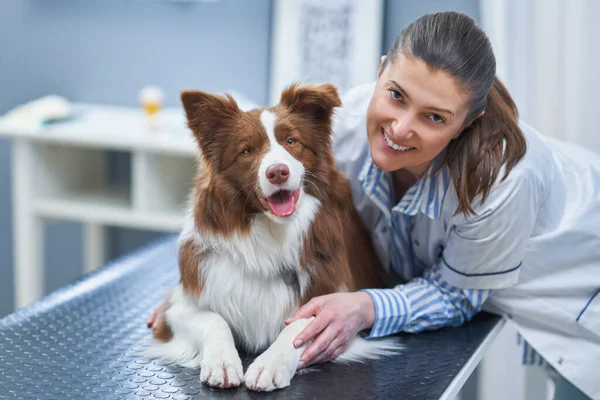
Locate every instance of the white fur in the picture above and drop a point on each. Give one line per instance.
(244, 294)
(246, 297)
(201, 338)
(245, 283)
(275, 368)
(267, 248)
(372, 349)
(277, 154)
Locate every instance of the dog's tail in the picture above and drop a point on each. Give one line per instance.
(177, 332)
(176, 351)
(371, 349)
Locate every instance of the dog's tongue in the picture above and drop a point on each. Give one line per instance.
(282, 203)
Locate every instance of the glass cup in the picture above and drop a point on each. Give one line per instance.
(151, 100)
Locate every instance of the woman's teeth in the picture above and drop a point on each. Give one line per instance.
(394, 145)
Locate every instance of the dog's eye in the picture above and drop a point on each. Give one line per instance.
(290, 142)
(247, 151)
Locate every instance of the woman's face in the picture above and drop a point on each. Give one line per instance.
(413, 115)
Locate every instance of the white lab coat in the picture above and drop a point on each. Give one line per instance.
(535, 242)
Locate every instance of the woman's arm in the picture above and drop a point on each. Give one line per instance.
(483, 252)
(424, 303)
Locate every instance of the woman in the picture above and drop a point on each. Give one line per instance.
(468, 206)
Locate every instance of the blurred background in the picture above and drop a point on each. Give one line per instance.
(105, 52)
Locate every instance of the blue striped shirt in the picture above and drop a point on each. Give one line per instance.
(426, 302)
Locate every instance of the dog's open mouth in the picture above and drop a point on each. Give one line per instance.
(281, 203)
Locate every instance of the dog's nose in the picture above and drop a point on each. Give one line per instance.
(278, 174)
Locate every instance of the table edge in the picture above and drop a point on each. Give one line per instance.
(467, 369)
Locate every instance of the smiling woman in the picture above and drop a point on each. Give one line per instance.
(409, 120)
(424, 106)
(466, 204)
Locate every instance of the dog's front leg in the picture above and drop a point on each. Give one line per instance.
(220, 363)
(275, 368)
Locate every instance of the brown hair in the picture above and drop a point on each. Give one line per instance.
(452, 42)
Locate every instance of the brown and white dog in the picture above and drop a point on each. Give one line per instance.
(271, 225)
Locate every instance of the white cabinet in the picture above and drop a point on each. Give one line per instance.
(60, 171)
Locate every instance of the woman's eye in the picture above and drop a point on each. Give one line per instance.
(290, 142)
(396, 95)
(436, 119)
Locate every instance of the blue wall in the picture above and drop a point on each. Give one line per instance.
(105, 50)
(399, 13)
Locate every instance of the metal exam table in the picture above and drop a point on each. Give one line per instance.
(81, 342)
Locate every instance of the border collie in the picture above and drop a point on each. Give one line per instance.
(271, 225)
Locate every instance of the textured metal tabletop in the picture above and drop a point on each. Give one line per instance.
(82, 342)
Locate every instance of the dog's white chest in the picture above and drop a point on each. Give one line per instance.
(255, 307)
(254, 280)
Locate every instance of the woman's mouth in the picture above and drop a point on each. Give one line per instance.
(393, 145)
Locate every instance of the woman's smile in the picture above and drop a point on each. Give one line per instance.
(413, 114)
(392, 145)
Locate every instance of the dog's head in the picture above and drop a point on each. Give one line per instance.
(265, 159)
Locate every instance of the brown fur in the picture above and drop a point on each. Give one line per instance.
(337, 245)
(337, 250)
(160, 329)
(225, 200)
(189, 261)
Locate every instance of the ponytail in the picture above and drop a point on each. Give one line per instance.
(493, 140)
(453, 43)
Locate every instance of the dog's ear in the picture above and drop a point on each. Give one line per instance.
(209, 117)
(314, 102)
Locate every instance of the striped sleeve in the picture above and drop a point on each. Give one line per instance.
(530, 356)
(425, 303)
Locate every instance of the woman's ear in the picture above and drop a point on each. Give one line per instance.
(468, 124)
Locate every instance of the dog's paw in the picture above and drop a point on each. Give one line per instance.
(221, 372)
(266, 374)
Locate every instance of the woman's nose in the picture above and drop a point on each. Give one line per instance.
(402, 126)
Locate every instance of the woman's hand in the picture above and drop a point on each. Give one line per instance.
(338, 318)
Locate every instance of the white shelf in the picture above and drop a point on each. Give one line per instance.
(111, 127)
(61, 171)
(72, 184)
(162, 182)
(107, 211)
(113, 199)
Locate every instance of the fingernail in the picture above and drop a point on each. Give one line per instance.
(301, 364)
(298, 343)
